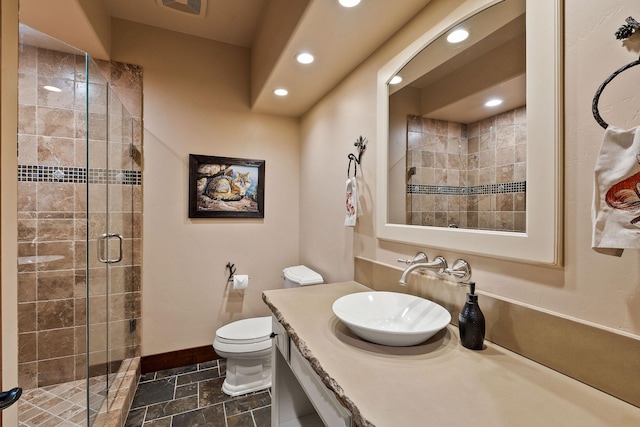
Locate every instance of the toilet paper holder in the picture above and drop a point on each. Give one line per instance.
(232, 271)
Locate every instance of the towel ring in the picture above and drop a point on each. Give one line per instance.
(361, 145)
(596, 98)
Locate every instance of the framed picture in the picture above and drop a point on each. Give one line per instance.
(225, 187)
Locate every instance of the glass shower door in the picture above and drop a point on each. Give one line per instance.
(111, 303)
(99, 245)
(123, 235)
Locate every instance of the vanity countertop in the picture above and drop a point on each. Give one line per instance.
(439, 382)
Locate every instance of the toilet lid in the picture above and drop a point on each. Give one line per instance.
(246, 330)
(303, 275)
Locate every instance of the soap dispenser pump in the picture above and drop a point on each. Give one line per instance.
(471, 321)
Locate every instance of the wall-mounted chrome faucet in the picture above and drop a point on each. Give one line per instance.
(438, 263)
(460, 269)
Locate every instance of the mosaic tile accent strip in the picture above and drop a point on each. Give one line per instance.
(74, 175)
(507, 187)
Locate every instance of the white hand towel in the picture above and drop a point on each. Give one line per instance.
(616, 197)
(352, 203)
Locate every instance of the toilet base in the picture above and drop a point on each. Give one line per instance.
(247, 375)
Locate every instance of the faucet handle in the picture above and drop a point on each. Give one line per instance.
(441, 264)
(460, 269)
(420, 257)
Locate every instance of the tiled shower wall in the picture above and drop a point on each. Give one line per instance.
(53, 221)
(468, 175)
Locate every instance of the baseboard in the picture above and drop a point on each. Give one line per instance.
(178, 358)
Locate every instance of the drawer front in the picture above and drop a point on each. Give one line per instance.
(281, 338)
(325, 402)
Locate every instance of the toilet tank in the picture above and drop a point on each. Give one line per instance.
(300, 275)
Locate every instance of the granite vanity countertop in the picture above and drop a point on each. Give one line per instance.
(439, 382)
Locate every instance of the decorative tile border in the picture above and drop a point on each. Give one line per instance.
(42, 173)
(507, 187)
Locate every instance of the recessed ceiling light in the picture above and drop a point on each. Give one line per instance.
(304, 58)
(52, 88)
(349, 3)
(456, 36)
(281, 92)
(395, 80)
(493, 102)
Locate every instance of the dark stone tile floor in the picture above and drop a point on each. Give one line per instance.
(191, 396)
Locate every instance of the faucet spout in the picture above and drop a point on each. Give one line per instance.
(438, 263)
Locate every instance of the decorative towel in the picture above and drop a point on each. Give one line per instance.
(616, 197)
(352, 203)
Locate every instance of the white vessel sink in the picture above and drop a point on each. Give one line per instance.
(391, 318)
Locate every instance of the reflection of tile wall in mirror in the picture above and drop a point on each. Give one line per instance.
(468, 175)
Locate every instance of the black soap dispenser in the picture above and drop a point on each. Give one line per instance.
(471, 321)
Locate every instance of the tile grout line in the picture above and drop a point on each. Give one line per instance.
(224, 412)
(213, 368)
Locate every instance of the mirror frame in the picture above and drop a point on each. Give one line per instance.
(542, 241)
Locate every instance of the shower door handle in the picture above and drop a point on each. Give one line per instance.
(102, 247)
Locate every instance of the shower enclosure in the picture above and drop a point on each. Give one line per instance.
(79, 228)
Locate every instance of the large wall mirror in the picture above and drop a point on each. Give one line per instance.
(469, 133)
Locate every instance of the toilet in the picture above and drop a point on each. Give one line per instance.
(246, 343)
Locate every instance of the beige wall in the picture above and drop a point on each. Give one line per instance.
(590, 287)
(8, 203)
(196, 101)
(83, 24)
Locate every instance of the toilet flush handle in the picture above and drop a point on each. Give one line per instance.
(273, 335)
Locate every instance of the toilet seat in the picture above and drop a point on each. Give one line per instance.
(246, 331)
(244, 336)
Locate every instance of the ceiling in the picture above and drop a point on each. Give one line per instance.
(340, 38)
(455, 80)
(228, 21)
(275, 31)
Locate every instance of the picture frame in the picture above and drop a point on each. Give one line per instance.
(225, 187)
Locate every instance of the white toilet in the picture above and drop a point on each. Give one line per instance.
(246, 343)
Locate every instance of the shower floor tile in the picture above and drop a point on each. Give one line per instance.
(60, 404)
(191, 396)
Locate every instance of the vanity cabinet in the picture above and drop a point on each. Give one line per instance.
(300, 398)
